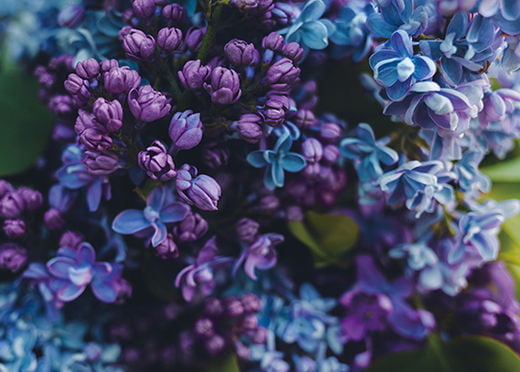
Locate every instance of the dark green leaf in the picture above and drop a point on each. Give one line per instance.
(465, 354)
(329, 236)
(25, 123)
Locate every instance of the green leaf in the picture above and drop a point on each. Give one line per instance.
(329, 236)
(228, 364)
(464, 354)
(504, 171)
(25, 123)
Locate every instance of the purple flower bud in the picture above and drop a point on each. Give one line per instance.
(147, 104)
(204, 327)
(245, 5)
(192, 228)
(143, 8)
(275, 108)
(108, 64)
(293, 51)
(193, 39)
(32, 199)
(224, 86)
(240, 53)
(88, 68)
(156, 162)
(5, 187)
(185, 129)
(260, 336)
(61, 105)
(251, 303)
(282, 71)
(12, 257)
(14, 228)
(109, 113)
(193, 74)
(169, 39)
(215, 345)
(11, 205)
(202, 191)
(71, 239)
(234, 307)
(273, 41)
(330, 131)
(174, 12)
(167, 249)
(95, 138)
(215, 156)
(137, 44)
(100, 164)
(305, 118)
(121, 80)
(246, 229)
(53, 219)
(268, 204)
(249, 127)
(213, 307)
(71, 16)
(249, 322)
(77, 88)
(331, 154)
(312, 150)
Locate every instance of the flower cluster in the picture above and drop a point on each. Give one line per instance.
(202, 185)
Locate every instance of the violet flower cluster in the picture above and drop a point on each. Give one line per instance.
(204, 199)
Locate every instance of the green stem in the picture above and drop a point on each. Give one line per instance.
(212, 15)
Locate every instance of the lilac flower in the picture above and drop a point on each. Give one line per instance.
(276, 161)
(505, 13)
(367, 153)
(185, 130)
(72, 270)
(396, 68)
(260, 254)
(143, 8)
(74, 175)
(469, 176)
(147, 104)
(308, 29)
(200, 190)
(137, 44)
(240, 53)
(224, 86)
(109, 113)
(119, 80)
(12, 257)
(156, 162)
(193, 74)
(169, 39)
(160, 210)
(400, 15)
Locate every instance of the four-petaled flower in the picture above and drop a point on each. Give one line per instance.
(160, 210)
(276, 161)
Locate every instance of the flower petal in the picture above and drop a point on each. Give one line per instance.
(130, 221)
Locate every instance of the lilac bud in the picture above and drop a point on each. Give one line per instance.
(331, 154)
(234, 307)
(71, 239)
(143, 8)
(251, 303)
(61, 105)
(193, 74)
(174, 12)
(249, 322)
(147, 104)
(84, 121)
(109, 113)
(273, 41)
(312, 150)
(32, 199)
(330, 131)
(224, 86)
(121, 80)
(5, 187)
(204, 327)
(193, 39)
(53, 219)
(167, 249)
(245, 5)
(100, 164)
(215, 156)
(249, 128)
(71, 16)
(294, 213)
(77, 88)
(12, 257)
(293, 51)
(156, 162)
(193, 227)
(275, 108)
(213, 307)
(268, 204)
(283, 71)
(202, 191)
(14, 228)
(260, 336)
(88, 68)
(246, 229)
(63, 133)
(215, 344)
(305, 118)
(137, 44)
(185, 129)
(108, 64)
(284, 13)
(11, 205)
(95, 138)
(240, 53)
(169, 39)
